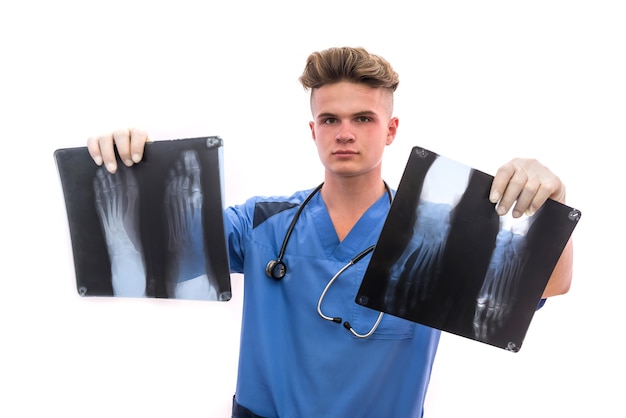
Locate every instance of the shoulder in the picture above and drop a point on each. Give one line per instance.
(261, 208)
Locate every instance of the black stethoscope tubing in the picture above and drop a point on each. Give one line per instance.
(276, 269)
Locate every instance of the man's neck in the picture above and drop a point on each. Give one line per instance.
(347, 199)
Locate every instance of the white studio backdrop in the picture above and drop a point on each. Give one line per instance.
(481, 82)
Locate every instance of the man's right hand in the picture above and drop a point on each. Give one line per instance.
(130, 144)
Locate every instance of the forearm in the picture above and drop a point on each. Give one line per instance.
(561, 278)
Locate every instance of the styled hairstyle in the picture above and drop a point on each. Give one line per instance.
(348, 64)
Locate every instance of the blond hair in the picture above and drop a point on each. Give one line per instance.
(355, 65)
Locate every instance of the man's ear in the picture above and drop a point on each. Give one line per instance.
(392, 129)
(312, 126)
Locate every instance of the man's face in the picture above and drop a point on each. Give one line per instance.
(351, 127)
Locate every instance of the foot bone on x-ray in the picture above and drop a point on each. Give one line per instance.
(117, 205)
(412, 275)
(497, 294)
(415, 271)
(187, 276)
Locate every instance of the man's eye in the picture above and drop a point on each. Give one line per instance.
(363, 119)
(329, 121)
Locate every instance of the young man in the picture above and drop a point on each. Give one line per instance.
(296, 360)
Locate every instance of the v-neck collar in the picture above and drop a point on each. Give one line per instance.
(363, 234)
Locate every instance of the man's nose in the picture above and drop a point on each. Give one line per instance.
(344, 134)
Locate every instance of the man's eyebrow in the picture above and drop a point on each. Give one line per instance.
(365, 113)
(326, 115)
(357, 114)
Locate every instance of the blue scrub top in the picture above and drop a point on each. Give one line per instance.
(292, 362)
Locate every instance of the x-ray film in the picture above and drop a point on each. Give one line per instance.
(152, 230)
(447, 260)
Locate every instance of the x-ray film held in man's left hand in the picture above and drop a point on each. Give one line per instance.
(447, 260)
(153, 230)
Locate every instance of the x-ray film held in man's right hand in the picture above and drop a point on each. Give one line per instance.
(153, 230)
(447, 260)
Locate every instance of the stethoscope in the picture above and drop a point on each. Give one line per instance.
(276, 269)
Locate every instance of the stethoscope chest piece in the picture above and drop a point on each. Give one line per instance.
(276, 269)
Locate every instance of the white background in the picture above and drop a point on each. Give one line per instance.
(481, 82)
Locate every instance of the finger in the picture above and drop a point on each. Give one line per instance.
(500, 182)
(539, 199)
(107, 151)
(542, 185)
(520, 191)
(138, 139)
(506, 186)
(121, 138)
(93, 146)
(552, 189)
(525, 198)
